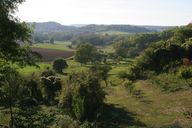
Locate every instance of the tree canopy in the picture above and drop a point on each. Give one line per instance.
(14, 35)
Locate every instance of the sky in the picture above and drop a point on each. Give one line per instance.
(134, 12)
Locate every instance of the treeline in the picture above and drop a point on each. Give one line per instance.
(47, 30)
(170, 54)
(133, 45)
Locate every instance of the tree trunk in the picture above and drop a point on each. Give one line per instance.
(11, 116)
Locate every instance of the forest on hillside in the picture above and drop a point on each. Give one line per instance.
(93, 78)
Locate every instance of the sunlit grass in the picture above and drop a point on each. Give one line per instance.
(58, 45)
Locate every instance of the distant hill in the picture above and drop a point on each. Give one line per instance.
(44, 31)
(78, 28)
(52, 27)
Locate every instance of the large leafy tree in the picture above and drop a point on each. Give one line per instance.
(14, 33)
(86, 53)
(59, 64)
(10, 89)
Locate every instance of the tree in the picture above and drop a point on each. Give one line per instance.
(51, 85)
(121, 48)
(52, 41)
(59, 65)
(84, 96)
(86, 53)
(102, 71)
(10, 89)
(13, 35)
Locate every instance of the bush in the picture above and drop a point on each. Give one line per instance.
(185, 72)
(51, 85)
(59, 65)
(168, 82)
(48, 72)
(132, 74)
(64, 121)
(83, 97)
(28, 117)
(122, 75)
(129, 85)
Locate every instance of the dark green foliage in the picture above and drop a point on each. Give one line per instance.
(10, 89)
(10, 86)
(52, 41)
(30, 117)
(123, 75)
(28, 102)
(133, 45)
(34, 90)
(48, 72)
(59, 65)
(51, 86)
(65, 121)
(102, 71)
(86, 96)
(93, 39)
(86, 124)
(87, 53)
(186, 73)
(167, 54)
(13, 34)
(169, 82)
(122, 47)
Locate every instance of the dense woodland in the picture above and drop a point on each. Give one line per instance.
(144, 81)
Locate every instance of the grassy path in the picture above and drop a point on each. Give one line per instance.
(155, 108)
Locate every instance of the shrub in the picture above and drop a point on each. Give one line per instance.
(83, 96)
(47, 73)
(168, 82)
(129, 85)
(65, 121)
(29, 117)
(123, 75)
(186, 73)
(59, 65)
(51, 85)
(102, 71)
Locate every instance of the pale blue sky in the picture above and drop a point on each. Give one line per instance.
(136, 12)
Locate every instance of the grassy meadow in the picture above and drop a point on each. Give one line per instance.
(58, 45)
(153, 109)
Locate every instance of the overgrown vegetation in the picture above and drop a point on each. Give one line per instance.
(95, 88)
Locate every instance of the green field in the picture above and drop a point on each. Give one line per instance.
(58, 45)
(29, 70)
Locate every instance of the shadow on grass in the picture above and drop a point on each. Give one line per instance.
(114, 117)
